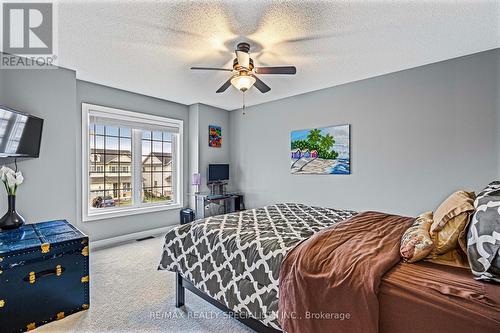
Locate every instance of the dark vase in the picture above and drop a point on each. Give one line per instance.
(11, 219)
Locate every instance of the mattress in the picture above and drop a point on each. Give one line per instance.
(235, 258)
(427, 297)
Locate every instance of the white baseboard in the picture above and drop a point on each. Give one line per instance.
(128, 237)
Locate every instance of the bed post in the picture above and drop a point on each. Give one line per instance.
(179, 291)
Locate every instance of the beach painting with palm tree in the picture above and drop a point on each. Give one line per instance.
(321, 151)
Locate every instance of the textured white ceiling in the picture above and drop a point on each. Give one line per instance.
(148, 46)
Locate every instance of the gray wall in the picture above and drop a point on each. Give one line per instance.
(498, 113)
(209, 115)
(417, 135)
(200, 154)
(193, 150)
(52, 187)
(49, 190)
(1, 85)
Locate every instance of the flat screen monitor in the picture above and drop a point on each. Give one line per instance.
(218, 172)
(20, 134)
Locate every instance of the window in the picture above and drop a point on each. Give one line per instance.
(131, 162)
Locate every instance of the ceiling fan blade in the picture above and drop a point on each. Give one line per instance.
(212, 69)
(315, 37)
(276, 70)
(243, 58)
(224, 86)
(263, 88)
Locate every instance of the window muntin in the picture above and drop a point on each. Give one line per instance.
(156, 166)
(132, 166)
(110, 161)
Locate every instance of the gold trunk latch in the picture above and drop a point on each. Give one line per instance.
(60, 315)
(2, 303)
(85, 306)
(31, 326)
(85, 251)
(58, 270)
(32, 277)
(45, 247)
(85, 279)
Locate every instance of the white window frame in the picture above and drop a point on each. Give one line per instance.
(90, 214)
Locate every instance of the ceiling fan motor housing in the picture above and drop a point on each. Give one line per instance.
(243, 47)
(237, 67)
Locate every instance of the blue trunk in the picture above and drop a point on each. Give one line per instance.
(44, 274)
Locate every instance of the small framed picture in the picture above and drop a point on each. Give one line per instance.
(214, 136)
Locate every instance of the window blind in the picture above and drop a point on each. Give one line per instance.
(101, 118)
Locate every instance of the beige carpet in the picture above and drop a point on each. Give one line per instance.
(128, 294)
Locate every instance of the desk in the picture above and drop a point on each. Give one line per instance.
(217, 204)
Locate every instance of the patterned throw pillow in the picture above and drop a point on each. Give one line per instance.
(451, 220)
(416, 242)
(483, 237)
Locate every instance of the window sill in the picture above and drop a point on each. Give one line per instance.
(109, 214)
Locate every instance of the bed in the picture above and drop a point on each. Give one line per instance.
(235, 261)
(437, 298)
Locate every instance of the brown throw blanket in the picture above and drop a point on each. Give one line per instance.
(329, 283)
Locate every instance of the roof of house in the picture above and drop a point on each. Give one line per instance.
(164, 158)
(112, 154)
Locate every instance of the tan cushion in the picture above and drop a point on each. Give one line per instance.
(456, 258)
(457, 203)
(416, 243)
(451, 220)
(448, 238)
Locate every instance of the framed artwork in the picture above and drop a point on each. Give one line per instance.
(321, 151)
(214, 136)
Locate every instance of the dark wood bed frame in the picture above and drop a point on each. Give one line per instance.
(181, 284)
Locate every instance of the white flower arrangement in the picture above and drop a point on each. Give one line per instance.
(11, 179)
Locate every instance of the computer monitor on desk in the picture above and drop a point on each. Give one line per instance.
(217, 178)
(218, 173)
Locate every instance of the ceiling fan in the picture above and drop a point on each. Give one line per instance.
(243, 71)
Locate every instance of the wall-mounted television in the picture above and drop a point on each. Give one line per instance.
(218, 173)
(20, 134)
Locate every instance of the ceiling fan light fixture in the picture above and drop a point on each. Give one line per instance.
(243, 82)
(243, 70)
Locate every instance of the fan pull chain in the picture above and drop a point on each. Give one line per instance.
(243, 103)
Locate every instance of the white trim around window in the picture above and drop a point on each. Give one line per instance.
(118, 117)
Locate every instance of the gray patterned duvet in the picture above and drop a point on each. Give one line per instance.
(235, 258)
